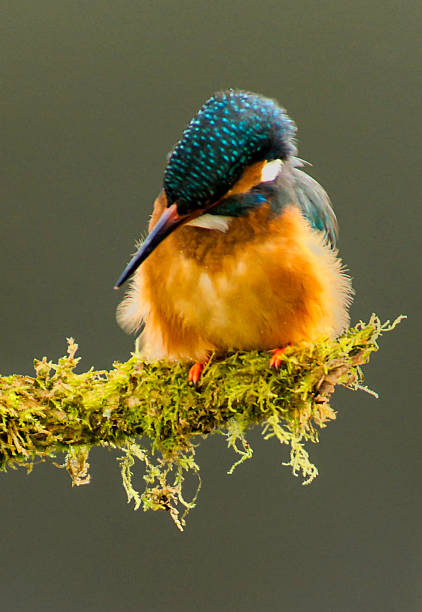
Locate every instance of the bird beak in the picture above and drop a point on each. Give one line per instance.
(167, 223)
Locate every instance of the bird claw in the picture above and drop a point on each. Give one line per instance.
(195, 373)
(277, 357)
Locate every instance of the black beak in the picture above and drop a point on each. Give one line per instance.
(168, 222)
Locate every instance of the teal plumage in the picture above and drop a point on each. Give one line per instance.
(231, 131)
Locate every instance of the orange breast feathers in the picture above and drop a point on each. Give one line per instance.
(263, 283)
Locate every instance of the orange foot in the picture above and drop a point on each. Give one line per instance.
(195, 372)
(277, 357)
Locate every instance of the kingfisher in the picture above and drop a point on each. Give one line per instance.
(241, 252)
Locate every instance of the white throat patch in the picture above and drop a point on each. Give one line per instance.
(213, 222)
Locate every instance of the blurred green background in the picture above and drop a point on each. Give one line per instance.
(93, 95)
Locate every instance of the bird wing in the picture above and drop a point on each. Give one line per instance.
(315, 204)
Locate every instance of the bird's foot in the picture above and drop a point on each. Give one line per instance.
(195, 372)
(277, 357)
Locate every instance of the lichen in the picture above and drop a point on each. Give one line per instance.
(153, 415)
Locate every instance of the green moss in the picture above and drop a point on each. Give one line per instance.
(138, 402)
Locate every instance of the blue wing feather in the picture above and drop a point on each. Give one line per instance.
(315, 205)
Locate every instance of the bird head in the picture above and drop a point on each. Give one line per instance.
(232, 131)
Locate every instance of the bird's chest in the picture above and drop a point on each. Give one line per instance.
(274, 288)
(232, 290)
(213, 281)
(206, 293)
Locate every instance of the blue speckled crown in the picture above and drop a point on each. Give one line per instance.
(232, 130)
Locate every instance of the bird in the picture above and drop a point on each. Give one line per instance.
(241, 252)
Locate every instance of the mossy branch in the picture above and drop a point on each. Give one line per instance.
(61, 410)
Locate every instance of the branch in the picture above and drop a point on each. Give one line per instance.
(61, 410)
